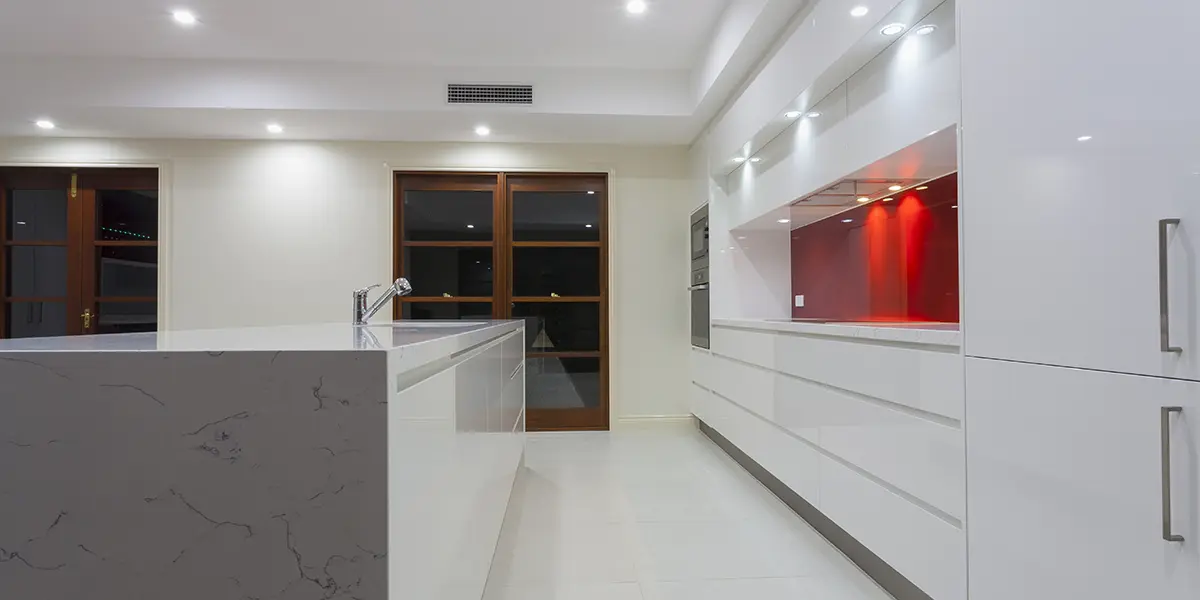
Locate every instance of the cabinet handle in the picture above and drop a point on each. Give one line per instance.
(1164, 305)
(1168, 535)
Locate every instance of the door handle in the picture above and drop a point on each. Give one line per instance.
(87, 320)
(1165, 439)
(697, 288)
(1164, 304)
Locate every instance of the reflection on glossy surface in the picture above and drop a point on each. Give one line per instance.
(35, 319)
(447, 216)
(560, 326)
(127, 271)
(555, 216)
(36, 216)
(127, 215)
(455, 442)
(562, 271)
(37, 271)
(434, 271)
(126, 317)
(560, 382)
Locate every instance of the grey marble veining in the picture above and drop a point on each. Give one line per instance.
(193, 475)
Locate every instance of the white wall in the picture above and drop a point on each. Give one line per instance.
(277, 232)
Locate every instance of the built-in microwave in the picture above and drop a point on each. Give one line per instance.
(700, 236)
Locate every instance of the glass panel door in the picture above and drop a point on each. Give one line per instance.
(558, 286)
(447, 246)
(72, 241)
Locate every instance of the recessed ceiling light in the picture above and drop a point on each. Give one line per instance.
(274, 128)
(756, 159)
(887, 199)
(895, 188)
(784, 221)
(470, 227)
(922, 188)
(589, 225)
(45, 123)
(792, 114)
(1084, 138)
(483, 130)
(186, 18)
(847, 220)
(925, 29)
(739, 159)
(636, 7)
(859, 11)
(892, 29)
(864, 199)
(812, 115)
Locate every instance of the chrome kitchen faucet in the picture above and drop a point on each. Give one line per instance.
(362, 313)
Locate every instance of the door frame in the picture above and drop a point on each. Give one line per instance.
(394, 172)
(165, 204)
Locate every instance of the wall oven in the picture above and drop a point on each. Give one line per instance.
(698, 290)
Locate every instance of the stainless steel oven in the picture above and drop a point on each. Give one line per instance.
(698, 289)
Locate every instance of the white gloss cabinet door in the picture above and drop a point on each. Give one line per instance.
(1064, 486)
(1080, 132)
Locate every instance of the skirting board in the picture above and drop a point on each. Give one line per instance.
(875, 567)
(687, 421)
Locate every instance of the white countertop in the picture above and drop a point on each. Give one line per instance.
(937, 334)
(326, 337)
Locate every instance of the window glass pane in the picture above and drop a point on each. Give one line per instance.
(447, 311)
(36, 216)
(440, 216)
(562, 382)
(556, 216)
(562, 271)
(37, 271)
(126, 317)
(127, 271)
(435, 271)
(36, 319)
(127, 216)
(560, 326)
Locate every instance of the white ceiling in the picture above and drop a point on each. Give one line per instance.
(527, 33)
(377, 69)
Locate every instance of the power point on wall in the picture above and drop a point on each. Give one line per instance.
(800, 301)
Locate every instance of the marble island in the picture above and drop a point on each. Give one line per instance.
(305, 462)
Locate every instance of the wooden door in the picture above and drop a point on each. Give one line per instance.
(558, 283)
(448, 245)
(517, 246)
(78, 251)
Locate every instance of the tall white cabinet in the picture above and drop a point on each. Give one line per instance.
(1081, 255)
(1061, 236)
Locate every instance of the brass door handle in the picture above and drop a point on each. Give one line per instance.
(87, 319)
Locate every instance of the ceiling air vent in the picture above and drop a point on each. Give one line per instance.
(464, 93)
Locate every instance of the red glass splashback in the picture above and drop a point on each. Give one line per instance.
(895, 261)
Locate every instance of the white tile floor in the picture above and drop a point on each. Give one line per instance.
(657, 513)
